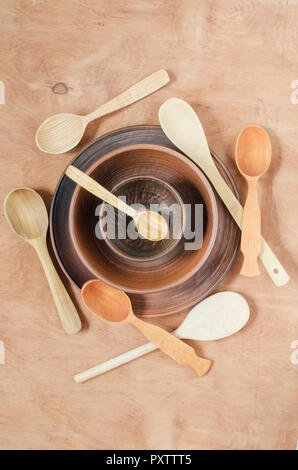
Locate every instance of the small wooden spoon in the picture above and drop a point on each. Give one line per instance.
(218, 316)
(149, 224)
(62, 132)
(114, 306)
(27, 215)
(253, 157)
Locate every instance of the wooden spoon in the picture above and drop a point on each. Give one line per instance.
(114, 306)
(149, 224)
(216, 317)
(253, 157)
(182, 126)
(62, 132)
(27, 215)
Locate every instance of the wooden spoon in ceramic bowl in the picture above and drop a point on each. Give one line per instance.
(149, 224)
(62, 132)
(253, 157)
(26, 213)
(114, 306)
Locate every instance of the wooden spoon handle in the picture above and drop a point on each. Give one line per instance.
(251, 231)
(68, 314)
(95, 188)
(174, 347)
(135, 93)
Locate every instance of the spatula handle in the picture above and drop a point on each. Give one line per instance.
(114, 362)
(135, 93)
(174, 347)
(251, 228)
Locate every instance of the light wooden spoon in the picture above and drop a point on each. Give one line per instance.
(182, 126)
(216, 317)
(62, 132)
(27, 215)
(253, 157)
(149, 224)
(114, 306)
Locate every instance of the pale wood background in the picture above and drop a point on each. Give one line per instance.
(234, 61)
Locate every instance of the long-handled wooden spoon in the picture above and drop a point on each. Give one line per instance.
(114, 306)
(149, 224)
(62, 132)
(27, 215)
(253, 157)
(182, 126)
(216, 317)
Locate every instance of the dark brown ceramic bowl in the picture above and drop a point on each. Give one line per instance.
(145, 174)
(171, 300)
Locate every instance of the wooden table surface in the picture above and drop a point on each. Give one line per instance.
(235, 62)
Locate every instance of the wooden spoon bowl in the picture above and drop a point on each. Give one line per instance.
(60, 133)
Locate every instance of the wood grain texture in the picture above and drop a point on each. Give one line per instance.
(234, 62)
